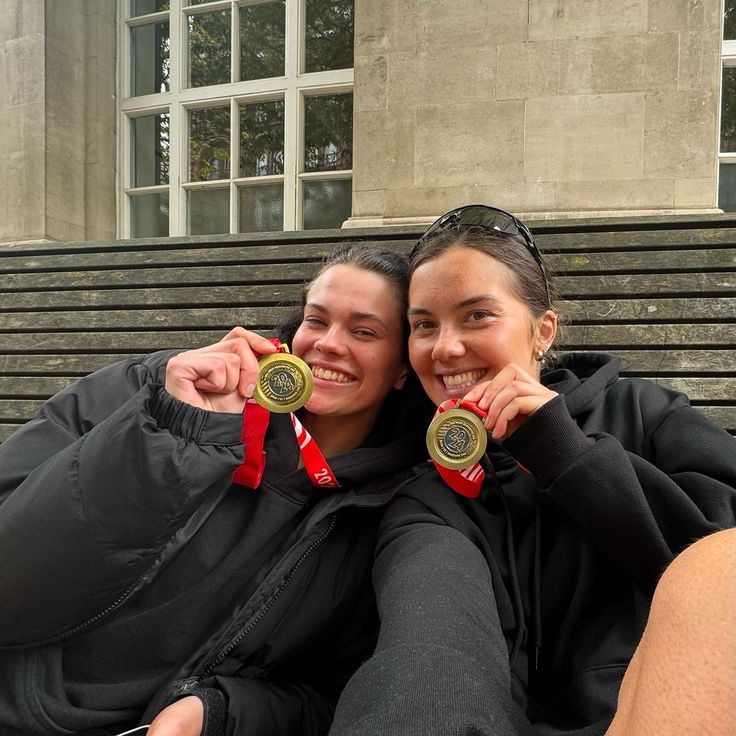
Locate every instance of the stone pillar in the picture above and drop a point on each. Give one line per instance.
(57, 114)
(548, 108)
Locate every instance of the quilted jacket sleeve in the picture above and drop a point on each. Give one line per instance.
(94, 492)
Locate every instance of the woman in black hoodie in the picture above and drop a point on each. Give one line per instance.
(154, 568)
(515, 605)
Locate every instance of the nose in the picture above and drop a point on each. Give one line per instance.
(447, 346)
(331, 341)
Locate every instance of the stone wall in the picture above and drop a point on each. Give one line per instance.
(549, 108)
(57, 120)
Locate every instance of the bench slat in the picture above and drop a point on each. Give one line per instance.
(572, 336)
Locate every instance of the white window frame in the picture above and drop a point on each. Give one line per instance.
(292, 88)
(728, 60)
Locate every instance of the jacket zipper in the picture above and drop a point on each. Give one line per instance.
(271, 602)
(79, 627)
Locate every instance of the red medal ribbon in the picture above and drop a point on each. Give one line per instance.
(318, 470)
(253, 434)
(466, 482)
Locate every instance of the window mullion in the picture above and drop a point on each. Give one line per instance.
(292, 111)
(178, 123)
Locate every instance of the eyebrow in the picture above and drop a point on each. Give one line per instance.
(469, 302)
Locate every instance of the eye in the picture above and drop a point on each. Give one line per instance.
(478, 315)
(364, 332)
(421, 325)
(313, 321)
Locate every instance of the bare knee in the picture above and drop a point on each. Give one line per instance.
(706, 568)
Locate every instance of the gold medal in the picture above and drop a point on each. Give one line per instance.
(284, 383)
(456, 439)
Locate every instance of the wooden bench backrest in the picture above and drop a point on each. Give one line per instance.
(663, 299)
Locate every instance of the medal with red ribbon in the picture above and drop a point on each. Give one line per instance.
(284, 384)
(456, 440)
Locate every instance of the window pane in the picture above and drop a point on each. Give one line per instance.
(261, 208)
(209, 48)
(150, 150)
(728, 110)
(329, 35)
(209, 144)
(197, 2)
(262, 33)
(149, 215)
(143, 7)
(727, 187)
(208, 211)
(326, 203)
(328, 132)
(150, 65)
(262, 138)
(729, 20)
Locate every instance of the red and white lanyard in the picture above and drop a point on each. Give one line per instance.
(253, 434)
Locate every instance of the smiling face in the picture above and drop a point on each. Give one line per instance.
(351, 337)
(467, 323)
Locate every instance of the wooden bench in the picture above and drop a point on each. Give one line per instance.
(658, 292)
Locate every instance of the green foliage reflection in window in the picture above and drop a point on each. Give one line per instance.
(329, 35)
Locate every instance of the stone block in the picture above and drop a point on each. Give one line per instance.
(371, 75)
(383, 26)
(619, 64)
(402, 84)
(689, 15)
(553, 19)
(384, 149)
(584, 138)
(680, 134)
(101, 202)
(517, 197)
(21, 19)
(22, 75)
(632, 194)
(446, 76)
(369, 202)
(699, 64)
(469, 23)
(423, 202)
(11, 125)
(526, 70)
(696, 192)
(469, 144)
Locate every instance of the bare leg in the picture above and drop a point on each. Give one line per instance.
(682, 679)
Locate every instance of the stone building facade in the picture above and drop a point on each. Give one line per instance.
(548, 108)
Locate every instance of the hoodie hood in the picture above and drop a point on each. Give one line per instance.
(581, 378)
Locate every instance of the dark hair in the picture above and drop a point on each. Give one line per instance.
(391, 265)
(527, 280)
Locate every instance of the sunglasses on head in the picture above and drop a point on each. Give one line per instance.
(489, 219)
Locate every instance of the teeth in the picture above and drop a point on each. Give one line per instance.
(328, 375)
(462, 380)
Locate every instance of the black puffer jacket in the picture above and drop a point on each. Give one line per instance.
(518, 612)
(135, 571)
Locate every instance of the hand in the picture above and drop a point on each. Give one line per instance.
(510, 398)
(182, 718)
(218, 377)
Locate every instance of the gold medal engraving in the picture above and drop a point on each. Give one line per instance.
(284, 383)
(456, 439)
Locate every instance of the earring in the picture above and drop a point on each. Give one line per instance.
(541, 353)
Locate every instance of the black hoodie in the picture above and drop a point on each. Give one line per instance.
(561, 559)
(135, 572)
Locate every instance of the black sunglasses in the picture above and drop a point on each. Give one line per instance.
(486, 218)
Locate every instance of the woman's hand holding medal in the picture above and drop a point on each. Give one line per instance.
(508, 400)
(219, 377)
